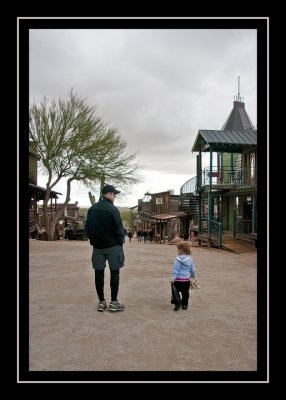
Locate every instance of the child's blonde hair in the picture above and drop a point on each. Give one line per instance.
(184, 247)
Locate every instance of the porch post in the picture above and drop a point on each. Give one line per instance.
(199, 184)
(210, 193)
(254, 213)
(234, 215)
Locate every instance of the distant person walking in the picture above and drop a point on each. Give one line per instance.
(129, 234)
(183, 270)
(145, 234)
(139, 235)
(105, 232)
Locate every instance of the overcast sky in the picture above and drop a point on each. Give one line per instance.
(158, 87)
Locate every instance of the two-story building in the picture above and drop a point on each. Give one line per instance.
(222, 197)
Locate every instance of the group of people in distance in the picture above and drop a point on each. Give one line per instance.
(146, 235)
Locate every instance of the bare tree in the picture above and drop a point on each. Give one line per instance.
(74, 144)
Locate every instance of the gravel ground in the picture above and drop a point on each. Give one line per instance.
(217, 333)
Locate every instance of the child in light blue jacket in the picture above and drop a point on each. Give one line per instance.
(183, 270)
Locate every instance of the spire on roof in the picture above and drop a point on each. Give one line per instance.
(238, 119)
(238, 97)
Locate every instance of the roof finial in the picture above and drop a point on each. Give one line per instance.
(238, 98)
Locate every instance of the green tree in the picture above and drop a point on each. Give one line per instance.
(73, 144)
(126, 217)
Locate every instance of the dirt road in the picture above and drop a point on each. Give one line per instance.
(217, 333)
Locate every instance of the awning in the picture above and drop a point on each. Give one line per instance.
(42, 191)
(170, 215)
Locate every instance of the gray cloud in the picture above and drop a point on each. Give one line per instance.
(158, 87)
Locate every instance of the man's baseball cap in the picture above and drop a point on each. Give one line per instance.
(109, 189)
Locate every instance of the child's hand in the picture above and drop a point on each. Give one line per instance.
(171, 280)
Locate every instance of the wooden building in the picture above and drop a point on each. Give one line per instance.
(160, 213)
(37, 193)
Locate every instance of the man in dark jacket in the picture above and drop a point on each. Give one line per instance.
(106, 234)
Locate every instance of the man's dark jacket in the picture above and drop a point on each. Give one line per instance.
(104, 225)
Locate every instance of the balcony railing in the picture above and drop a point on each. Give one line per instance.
(243, 226)
(190, 186)
(229, 176)
(215, 231)
(221, 176)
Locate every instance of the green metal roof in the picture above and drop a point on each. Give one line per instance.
(228, 141)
